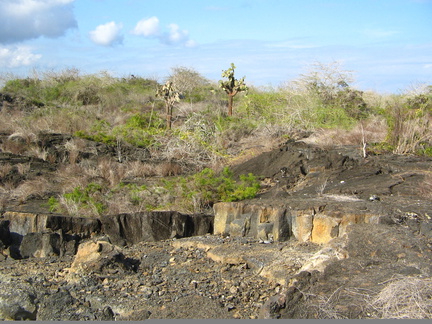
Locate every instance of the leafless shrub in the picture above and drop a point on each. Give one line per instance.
(404, 298)
(412, 133)
(322, 307)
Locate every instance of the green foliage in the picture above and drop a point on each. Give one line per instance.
(53, 204)
(205, 188)
(90, 197)
(140, 130)
(335, 117)
(263, 105)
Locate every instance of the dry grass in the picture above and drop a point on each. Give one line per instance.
(110, 170)
(73, 147)
(14, 147)
(71, 176)
(137, 169)
(412, 133)
(23, 168)
(5, 169)
(404, 298)
(35, 188)
(371, 131)
(167, 169)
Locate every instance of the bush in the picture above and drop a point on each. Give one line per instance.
(200, 191)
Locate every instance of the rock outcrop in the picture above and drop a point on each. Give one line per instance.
(40, 235)
(305, 220)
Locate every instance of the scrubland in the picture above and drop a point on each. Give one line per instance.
(190, 163)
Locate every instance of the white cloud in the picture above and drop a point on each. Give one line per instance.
(174, 36)
(12, 57)
(27, 19)
(107, 34)
(147, 27)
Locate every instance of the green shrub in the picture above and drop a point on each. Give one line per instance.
(141, 130)
(90, 199)
(203, 189)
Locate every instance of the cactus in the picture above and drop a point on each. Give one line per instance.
(232, 86)
(170, 95)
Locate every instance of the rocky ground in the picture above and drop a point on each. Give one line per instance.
(225, 276)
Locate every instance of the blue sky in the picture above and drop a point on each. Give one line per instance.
(386, 43)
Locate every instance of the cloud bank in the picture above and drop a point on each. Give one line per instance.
(107, 34)
(22, 20)
(150, 28)
(17, 56)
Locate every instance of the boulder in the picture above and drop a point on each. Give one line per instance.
(100, 257)
(40, 245)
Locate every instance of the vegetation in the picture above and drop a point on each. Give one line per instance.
(232, 86)
(202, 140)
(170, 96)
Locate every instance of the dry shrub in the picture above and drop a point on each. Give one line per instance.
(40, 153)
(10, 120)
(71, 176)
(73, 147)
(35, 188)
(139, 169)
(110, 170)
(371, 131)
(404, 298)
(411, 134)
(167, 169)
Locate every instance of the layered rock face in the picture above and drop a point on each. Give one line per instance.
(303, 220)
(40, 235)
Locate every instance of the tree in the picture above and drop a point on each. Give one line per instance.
(188, 81)
(170, 95)
(232, 86)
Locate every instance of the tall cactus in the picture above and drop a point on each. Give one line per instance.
(170, 95)
(232, 86)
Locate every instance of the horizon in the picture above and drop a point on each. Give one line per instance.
(386, 44)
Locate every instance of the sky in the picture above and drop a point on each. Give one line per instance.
(386, 44)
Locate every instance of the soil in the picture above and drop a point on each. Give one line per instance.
(213, 276)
